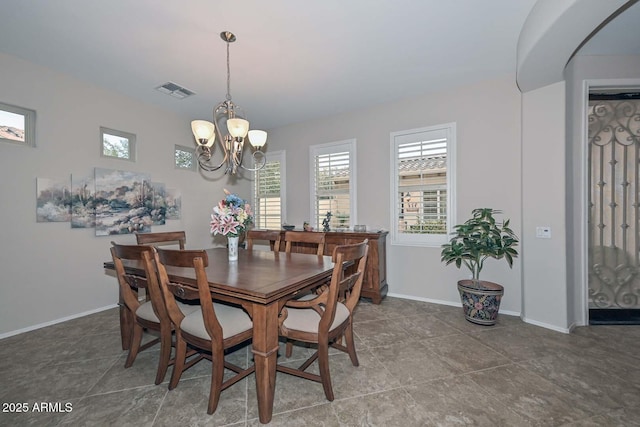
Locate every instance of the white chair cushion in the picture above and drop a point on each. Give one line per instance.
(233, 321)
(145, 311)
(307, 320)
(187, 309)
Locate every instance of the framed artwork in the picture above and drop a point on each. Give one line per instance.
(83, 202)
(123, 202)
(173, 201)
(111, 201)
(17, 125)
(53, 200)
(158, 204)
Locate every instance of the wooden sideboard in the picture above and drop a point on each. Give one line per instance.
(374, 285)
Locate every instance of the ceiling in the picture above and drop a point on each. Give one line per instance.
(292, 61)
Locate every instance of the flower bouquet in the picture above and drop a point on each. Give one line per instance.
(231, 218)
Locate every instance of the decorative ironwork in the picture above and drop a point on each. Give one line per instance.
(614, 203)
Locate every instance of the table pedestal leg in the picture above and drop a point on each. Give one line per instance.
(265, 353)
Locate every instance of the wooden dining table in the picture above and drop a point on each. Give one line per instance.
(260, 281)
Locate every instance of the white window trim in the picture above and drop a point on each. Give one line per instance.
(29, 124)
(194, 161)
(425, 240)
(332, 147)
(281, 156)
(128, 136)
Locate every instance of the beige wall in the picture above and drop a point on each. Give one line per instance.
(488, 175)
(543, 193)
(50, 271)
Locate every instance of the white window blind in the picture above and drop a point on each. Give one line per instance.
(422, 185)
(333, 183)
(268, 202)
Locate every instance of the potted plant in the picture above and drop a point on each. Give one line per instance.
(479, 238)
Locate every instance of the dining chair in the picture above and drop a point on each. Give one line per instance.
(306, 238)
(324, 320)
(272, 236)
(151, 314)
(164, 238)
(210, 331)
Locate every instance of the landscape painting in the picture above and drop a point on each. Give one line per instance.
(83, 207)
(123, 202)
(173, 201)
(158, 204)
(53, 200)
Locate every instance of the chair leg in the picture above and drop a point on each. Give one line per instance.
(288, 348)
(136, 339)
(165, 354)
(178, 365)
(351, 347)
(217, 375)
(323, 365)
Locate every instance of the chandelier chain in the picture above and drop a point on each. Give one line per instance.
(228, 76)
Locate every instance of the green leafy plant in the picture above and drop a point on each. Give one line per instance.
(479, 238)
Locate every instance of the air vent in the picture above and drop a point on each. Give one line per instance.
(175, 90)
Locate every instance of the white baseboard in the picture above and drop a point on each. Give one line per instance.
(452, 304)
(434, 301)
(53, 322)
(547, 326)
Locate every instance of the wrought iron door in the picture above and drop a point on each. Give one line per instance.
(614, 201)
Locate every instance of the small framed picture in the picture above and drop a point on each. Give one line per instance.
(17, 125)
(117, 144)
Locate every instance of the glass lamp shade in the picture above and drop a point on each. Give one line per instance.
(203, 131)
(257, 138)
(238, 128)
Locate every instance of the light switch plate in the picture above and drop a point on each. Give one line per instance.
(543, 232)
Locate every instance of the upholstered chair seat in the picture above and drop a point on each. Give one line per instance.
(306, 320)
(145, 311)
(232, 320)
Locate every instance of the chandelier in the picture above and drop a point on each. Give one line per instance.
(232, 128)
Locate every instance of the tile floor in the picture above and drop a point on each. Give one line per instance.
(420, 365)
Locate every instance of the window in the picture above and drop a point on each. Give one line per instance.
(268, 197)
(185, 158)
(117, 144)
(422, 185)
(333, 184)
(17, 125)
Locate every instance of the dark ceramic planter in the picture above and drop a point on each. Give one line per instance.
(480, 301)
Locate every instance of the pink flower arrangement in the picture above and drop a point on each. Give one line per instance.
(231, 216)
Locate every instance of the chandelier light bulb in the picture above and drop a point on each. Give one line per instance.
(257, 138)
(204, 132)
(237, 128)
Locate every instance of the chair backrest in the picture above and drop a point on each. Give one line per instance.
(164, 238)
(271, 236)
(346, 284)
(198, 261)
(304, 237)
(128, 281)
